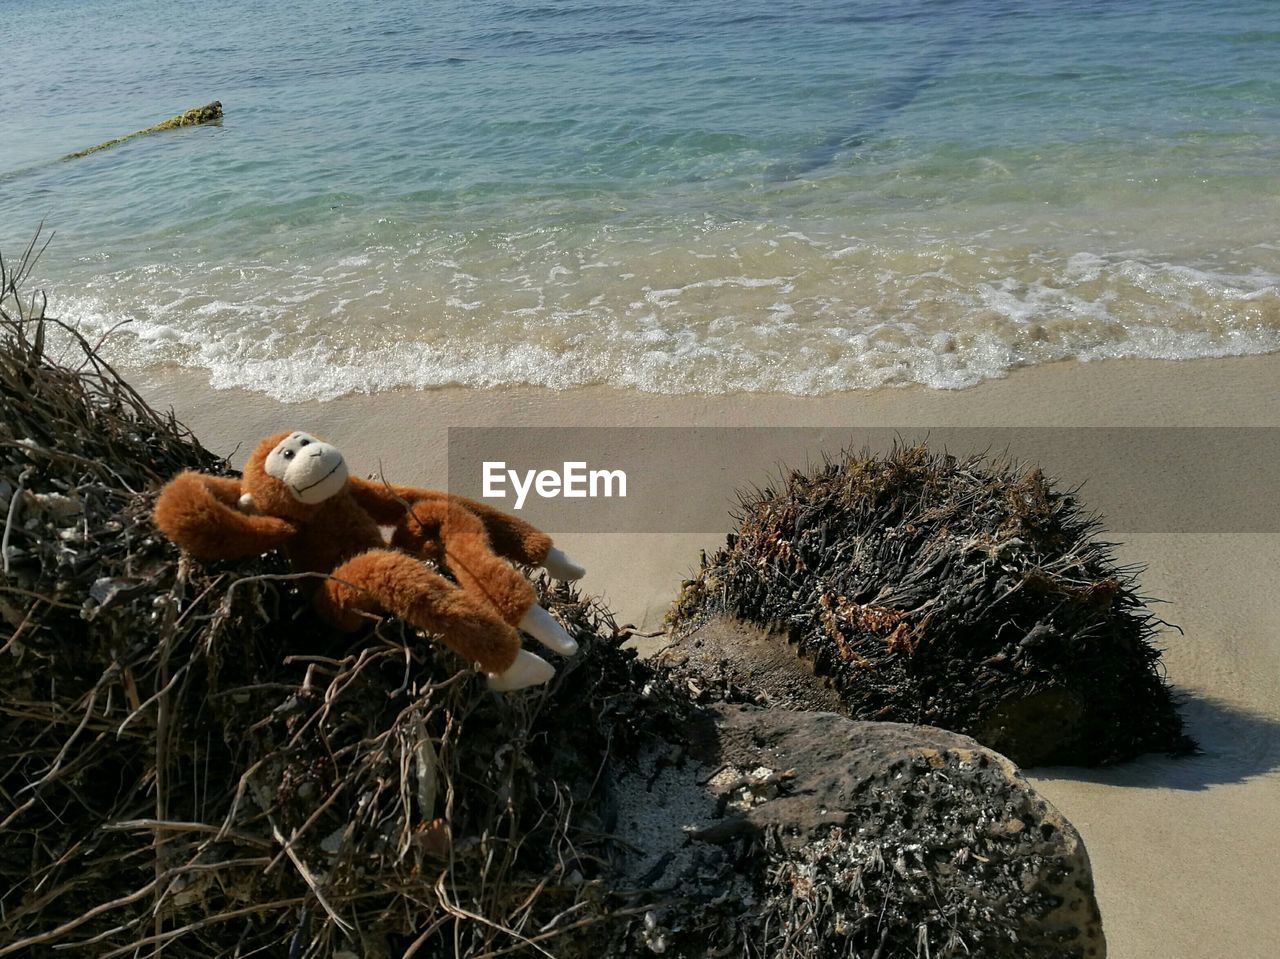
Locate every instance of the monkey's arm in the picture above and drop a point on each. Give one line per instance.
(383, 501)
(509, 536)
(515, 539)
(223, 488)
(199, 514)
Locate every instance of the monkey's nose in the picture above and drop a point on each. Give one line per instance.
(317, 453)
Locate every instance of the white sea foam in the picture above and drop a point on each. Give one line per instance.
(844, 316)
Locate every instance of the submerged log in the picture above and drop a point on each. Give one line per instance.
(209, 113)
(962, 593)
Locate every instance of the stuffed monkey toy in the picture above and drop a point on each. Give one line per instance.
(296, 494)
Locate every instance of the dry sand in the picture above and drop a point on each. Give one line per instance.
(1186, 852)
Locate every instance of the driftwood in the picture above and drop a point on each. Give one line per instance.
(209, 113)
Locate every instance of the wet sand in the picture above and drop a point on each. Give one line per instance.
(1186, 852)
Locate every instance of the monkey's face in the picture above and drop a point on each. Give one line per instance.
(310, 469)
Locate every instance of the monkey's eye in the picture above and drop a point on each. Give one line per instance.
(287, 454)
(304, 442)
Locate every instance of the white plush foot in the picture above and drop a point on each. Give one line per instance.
(527, 670)
(542, 626)
(561, 566)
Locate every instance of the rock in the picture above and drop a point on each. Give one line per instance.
(731, 661)
(806, 833)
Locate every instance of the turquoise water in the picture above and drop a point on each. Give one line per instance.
(717, 196)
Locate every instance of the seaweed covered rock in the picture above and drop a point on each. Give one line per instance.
(962, 593)
(785, 834)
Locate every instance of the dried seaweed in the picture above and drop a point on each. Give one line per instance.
(191, 761)
(970, 594)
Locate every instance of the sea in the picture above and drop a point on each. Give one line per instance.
(713, 196)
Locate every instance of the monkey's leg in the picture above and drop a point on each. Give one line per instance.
(419, 533)
(470, 558)
(483, 573)
(400, 584)
(438, 523)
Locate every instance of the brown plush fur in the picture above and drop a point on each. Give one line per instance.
(340, 537)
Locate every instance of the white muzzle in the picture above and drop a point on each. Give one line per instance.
(312, 469)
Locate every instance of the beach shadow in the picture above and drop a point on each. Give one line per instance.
(1236, 745)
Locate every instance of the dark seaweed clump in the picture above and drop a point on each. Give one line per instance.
(191, 762)
(967, 593)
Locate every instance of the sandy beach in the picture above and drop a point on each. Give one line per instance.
(1186, 852)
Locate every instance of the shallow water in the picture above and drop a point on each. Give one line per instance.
(736, 196)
